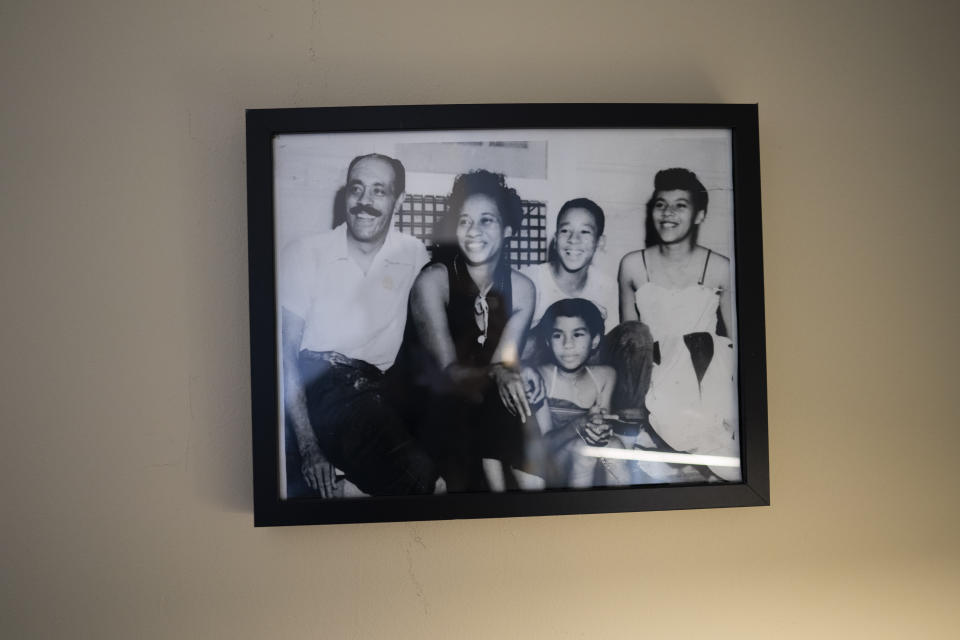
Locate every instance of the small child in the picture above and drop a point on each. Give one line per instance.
(577, 405)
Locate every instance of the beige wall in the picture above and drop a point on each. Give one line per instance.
(124, 392)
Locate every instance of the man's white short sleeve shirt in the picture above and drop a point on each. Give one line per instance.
(359, 315)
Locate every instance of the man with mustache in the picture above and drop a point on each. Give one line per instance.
(343, 298)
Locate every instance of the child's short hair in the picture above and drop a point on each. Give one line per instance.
(571, 308)
(589, 205)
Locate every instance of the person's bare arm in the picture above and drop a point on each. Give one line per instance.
(317, 471)
(505, 366)
(718, 276)
(608, 380)
(524, 298)
(631, 267)
(429, 298)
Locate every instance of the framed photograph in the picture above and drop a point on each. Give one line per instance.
(469, 311)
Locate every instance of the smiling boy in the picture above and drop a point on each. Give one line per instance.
(567, 274)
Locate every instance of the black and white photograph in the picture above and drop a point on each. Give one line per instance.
(504, 310)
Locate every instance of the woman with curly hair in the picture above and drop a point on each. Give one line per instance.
(681, 291)
(469, 313)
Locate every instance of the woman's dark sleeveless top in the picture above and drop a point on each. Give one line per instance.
(442, 416)
(462, 312)
(416, 366)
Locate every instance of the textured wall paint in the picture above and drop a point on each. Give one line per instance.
(124, 392)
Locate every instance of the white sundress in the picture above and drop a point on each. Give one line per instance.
(691, 415)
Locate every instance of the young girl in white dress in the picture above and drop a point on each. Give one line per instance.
(681, 291)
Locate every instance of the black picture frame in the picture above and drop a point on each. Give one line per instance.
(262, 125)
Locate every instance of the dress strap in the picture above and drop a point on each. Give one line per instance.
(646, 270)
(553, 380)
(595, 383)
(705, 263)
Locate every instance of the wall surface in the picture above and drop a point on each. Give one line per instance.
(124, 388)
